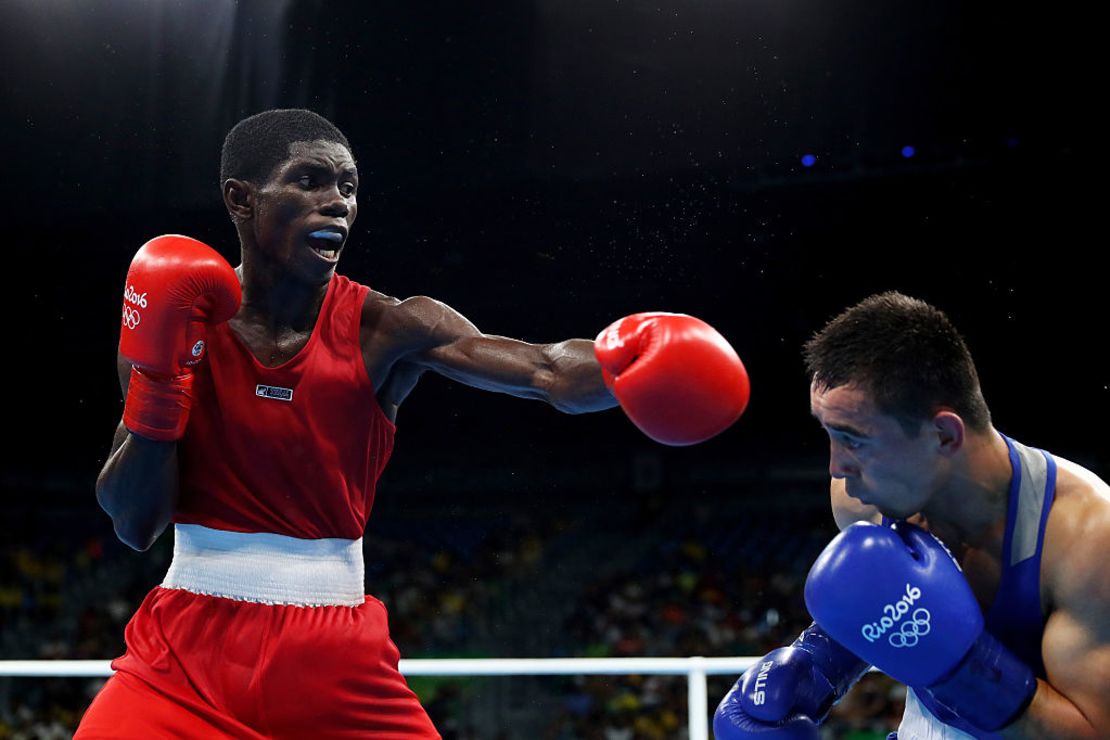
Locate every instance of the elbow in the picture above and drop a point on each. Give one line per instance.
(136, 537)
(138, 530)
(140, 545)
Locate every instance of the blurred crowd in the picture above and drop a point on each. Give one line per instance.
(720, 591)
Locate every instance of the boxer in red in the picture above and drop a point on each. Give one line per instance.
(260, 410)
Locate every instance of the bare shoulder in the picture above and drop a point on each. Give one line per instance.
(386, 318)
(1077, 538)
(1076, 584)
(847, 510)
(377, 306)
(415, 317)
(400, 330)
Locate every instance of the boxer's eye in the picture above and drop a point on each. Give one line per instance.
(851, 442)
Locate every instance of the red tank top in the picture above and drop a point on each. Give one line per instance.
(295, 449)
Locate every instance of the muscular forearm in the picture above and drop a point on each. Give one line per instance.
(575, 385)
(138, 487)
(1050, 716)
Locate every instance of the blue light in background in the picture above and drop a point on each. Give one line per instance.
(808, 160)
(908, 151)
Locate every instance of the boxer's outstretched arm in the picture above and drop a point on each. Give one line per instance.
(440, 339)
(138, 484)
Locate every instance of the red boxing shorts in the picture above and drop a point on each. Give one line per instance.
(228, 665)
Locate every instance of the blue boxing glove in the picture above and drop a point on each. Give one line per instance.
(789, 691)
(896, 597)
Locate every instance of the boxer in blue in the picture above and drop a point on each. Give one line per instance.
(970, 567)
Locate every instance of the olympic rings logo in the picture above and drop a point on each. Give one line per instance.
(909, 633)
(131, 317)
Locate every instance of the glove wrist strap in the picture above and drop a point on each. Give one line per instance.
(158, 407)
(837, 668)
(839, 665)
(989, 688)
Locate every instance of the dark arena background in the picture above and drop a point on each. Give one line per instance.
(546, 167)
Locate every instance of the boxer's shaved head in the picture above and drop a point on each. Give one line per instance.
(257, 145)
(905, 354)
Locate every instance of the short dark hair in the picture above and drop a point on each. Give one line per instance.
(255, 146)
(905, 354)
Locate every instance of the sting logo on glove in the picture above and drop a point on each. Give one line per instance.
(759, 696)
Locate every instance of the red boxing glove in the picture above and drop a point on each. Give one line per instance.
(675, 376)
(176, 287)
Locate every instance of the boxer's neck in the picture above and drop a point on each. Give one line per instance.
(276, 299)
(970, 508)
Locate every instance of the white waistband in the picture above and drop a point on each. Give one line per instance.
(266, 568)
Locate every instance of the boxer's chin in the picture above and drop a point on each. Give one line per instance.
(857, 494)
(312, 269)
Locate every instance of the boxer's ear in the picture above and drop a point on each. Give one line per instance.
(950, 432)
(239, 199)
